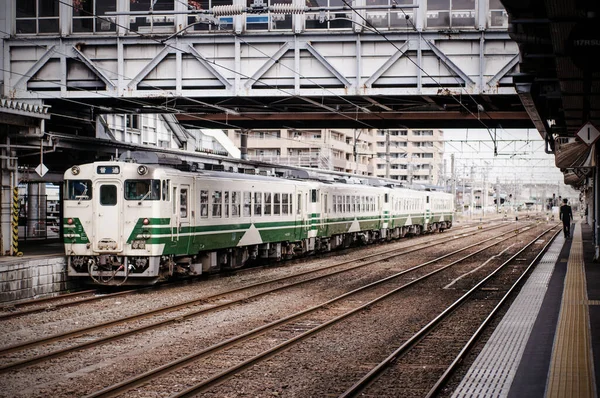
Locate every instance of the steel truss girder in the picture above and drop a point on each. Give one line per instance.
(146, 70)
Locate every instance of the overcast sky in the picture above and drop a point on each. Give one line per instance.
(520, 156)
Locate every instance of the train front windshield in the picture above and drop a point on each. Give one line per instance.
(142, 189)
(79, 190)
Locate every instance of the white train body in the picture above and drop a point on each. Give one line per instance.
(130, 223)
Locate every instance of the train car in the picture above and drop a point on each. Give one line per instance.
(128, 223)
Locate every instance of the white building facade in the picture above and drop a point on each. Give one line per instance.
(414, 156)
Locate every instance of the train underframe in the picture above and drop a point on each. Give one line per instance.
(120, 270)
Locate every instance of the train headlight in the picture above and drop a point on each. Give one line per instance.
(138, 244)
(146, 221)
(70, 221)
(75, 170)
(142, 170)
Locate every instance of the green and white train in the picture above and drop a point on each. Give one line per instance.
(129, 223)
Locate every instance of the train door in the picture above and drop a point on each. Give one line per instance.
(108, 223)
(181, 211)
(427, 212)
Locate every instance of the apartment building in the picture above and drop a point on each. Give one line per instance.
(414, 155)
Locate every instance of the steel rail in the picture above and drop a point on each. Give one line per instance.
(64, 305)
(374, 373)
(80, 331)
(57, 353)
(467, 347)
(179, 363)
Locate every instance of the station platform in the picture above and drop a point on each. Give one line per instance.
(548, 343)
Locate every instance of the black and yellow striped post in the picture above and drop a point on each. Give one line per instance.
(15, 224)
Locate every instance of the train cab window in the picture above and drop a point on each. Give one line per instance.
(314, 195)
(267, 203)
(183, 203)
(142, 189)
(203, 203)
(78, 190)
(257, 203)
(217, 199)
(108, 195)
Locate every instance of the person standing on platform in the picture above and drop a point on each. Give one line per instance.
(566, 215)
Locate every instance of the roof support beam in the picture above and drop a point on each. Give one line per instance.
(81, 56)
(327, 65)
(22, 83)
(267, 65)
(387, 65)
(200, 58)
(148, 68)
(451, 65)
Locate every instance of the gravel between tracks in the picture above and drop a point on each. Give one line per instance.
(287, 374)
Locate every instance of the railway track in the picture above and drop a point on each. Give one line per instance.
(86, 296)
(380, 380)
(85, 333)
(322, 317)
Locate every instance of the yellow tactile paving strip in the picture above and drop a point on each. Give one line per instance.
(571, 368)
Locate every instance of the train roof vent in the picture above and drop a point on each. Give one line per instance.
(215, 167)
(150, 158)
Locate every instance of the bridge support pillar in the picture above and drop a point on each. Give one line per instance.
(8, 184)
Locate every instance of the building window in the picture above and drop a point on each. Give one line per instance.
(340, 19)
(150, 23)
(392, 18)
(267, 20)
(37, 16)
(202, 22)
(450, 13)
(498, 18)
(84, 19)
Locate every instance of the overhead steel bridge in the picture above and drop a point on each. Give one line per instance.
(374, 64)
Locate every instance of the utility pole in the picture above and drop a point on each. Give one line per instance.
(387, 154)
(453, 176)
(497, 195)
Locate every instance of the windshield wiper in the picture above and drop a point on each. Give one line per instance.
(82, 196)
(144, 197)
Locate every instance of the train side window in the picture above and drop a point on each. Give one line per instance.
(325, 203)
(166, 189)
(334, 203)
(247, 203)
(427, 199)
(257, 203)
(267, 203)
(386, 198)
(183, 203)
(284, 206)
(174, 200)
(235, 204)
(277, 204)
(108, 195)
(314, 195)
(299, 203)
(291, 200)
(217, 204)
(204, 203)
(226, 202)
